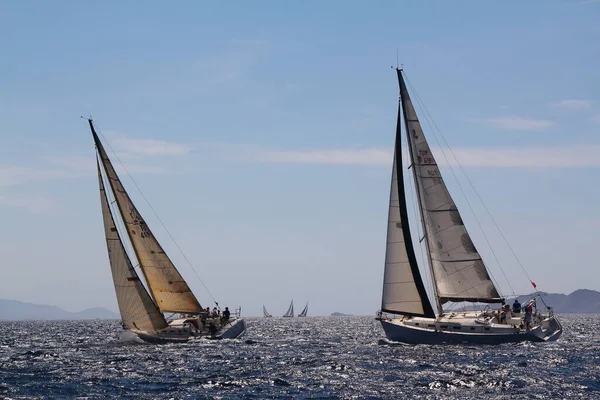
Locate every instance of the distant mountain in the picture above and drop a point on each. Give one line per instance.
(12, 310)
(581, 301)
(339, 314)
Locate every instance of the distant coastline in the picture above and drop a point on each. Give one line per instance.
(339, 314)
(581, 301)
(13, 310)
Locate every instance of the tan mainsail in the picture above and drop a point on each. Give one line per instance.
(138, 311)
(168, 288)
(459, 271)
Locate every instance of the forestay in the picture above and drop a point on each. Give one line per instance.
(459, 271)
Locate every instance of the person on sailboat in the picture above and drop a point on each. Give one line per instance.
(505, 314)
(527, 317)
(226, 315)
(516, 307)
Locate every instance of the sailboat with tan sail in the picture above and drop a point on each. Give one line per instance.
(142, 311)
(458, 271)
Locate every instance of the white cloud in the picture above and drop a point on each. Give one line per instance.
(37, 204)
(150, 147)
(16, 174)
(516, 123)
(573, 104)
(524, 157)
(74, 163)
(348, 157)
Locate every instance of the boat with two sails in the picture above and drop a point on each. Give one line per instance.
(457, 269)
(143, 310)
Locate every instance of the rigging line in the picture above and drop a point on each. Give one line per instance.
(428, 117)
(157, 217)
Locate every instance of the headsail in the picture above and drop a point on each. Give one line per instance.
(138, 311)
(168, 288)
(458, 270)
(266, 313)
(290, 311)
(403, 289)
(304, 311)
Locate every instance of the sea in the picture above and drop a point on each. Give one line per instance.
(300, 358)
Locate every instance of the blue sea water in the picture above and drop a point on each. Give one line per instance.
(310, 358)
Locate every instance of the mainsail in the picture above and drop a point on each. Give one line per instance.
(304, 312)
(266, 313)
(138, 311)
(403, 289)
(290, 311)
(168, 288)
(458, 270)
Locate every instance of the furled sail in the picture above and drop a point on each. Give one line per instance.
(458, 270)
(304, 312)
(266, 313)
(138, 311)
(403, 289)
(168, 288)
(290, 311)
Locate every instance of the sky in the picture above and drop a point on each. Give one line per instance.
(261, 133)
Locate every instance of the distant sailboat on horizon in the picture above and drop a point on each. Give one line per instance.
(142, 309)
(305, 311)
(290, 312)
(457, 269)
(266, 313)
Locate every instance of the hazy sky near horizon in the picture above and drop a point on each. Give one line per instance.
(261, 133)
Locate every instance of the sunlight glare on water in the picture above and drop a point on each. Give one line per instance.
(314, 357)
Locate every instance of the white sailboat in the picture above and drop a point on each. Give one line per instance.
(290, 312)
(266, 313)
(304, 311)
(458, 271)
(142, 312)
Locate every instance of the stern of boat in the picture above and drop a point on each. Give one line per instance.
(233, 329)
(548, 331)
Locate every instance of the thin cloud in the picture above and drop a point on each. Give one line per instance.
(150, 147)
(342, 157)
(16, 174)
(37, 204)
(529, 157)
(573, 104)
(516, 123)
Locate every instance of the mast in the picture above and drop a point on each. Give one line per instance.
(168, 288)
(458, 270)
(403, 94)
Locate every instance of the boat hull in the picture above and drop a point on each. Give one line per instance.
(177, 334)
(399, 330)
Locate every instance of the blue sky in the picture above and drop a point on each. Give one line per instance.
(261, 132)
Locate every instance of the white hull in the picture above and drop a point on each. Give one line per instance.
(182, 330)
(470, 328)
